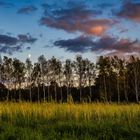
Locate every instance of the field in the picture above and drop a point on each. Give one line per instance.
(51, 121)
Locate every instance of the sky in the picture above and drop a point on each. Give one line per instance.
(69, 27)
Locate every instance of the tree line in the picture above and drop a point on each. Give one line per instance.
(109, 79)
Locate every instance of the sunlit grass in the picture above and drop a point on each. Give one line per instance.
(86, 112)
(50, 119)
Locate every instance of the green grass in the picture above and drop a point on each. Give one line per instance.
(50, 121)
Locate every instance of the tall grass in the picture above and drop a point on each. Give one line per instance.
(69, 121)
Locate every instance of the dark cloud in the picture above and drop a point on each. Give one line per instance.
(92, 27)
(28, 48)
(45, 6)
(105, 5)
(10, 50)
(5, 4)
(76, 18)
(130, 10)
(10, 44)
(109, 44)
(76, 12)
(21, 38)
(26, 38)
(27, 10)
(116, 45)
(8, 40)
(79, 44)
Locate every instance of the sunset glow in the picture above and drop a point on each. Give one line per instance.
(98, 30)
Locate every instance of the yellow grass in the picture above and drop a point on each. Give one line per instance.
(42, 121)
(70, 111)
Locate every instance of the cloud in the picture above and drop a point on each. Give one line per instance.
(105, 5)
(98, 30)
(10, 44)
(8, 40)
(79, 44)
(21, 38)
(10, 50)
(26, 38)
(28, 48)
(76, 18)
(111, 45)
(114, 45)
(27, 10)
(5, 4)
(130, 10)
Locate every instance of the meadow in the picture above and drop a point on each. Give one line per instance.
(53, 121)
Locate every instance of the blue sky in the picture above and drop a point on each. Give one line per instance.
(70, 27)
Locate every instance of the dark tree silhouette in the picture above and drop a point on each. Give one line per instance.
(110, 79)
(29, 67)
